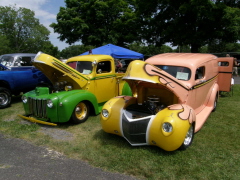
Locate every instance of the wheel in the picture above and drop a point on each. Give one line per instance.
(215, 104)
(5, 98)
(80, 113)
(188, 138)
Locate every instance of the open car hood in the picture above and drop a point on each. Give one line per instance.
(141, 71)
(57, 71)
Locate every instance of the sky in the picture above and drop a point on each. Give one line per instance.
(46, 11)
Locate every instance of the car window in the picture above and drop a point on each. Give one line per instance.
(104, 67)
(179, 72)
(125, 64)
(26, 61)
(223, 63)
(84, 67)
(200, 73)
(6, 60)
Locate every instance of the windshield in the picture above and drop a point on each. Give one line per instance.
(6, 60)
(179, 72)
(84, 67)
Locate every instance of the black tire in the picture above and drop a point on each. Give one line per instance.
(5, 97)
(80, 113)
(188, 138)
(215, 104)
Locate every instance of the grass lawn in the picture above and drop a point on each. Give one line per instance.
(214, 153)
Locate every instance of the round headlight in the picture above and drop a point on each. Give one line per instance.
(167, 127)
(49, 103)
(105, 113)
(24, 99)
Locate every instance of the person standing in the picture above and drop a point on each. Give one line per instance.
(235, 67)
(118, 66)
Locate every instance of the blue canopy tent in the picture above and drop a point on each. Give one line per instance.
(116, 52)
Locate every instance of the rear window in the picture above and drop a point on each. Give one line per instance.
(223, 63)
(84, 67)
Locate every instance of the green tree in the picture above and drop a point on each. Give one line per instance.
(193, 23)
(223, 47)
(149, 50)
(4, 45)
(204, 49)
(97, 22)
(48, 48)
(22, 30)
(74, 50)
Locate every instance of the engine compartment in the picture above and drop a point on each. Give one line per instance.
(151, 98)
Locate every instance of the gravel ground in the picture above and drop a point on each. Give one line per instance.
(21, 160)
(56, 133)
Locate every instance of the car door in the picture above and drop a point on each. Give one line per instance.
(201, 88)
(225, 68)
(105, 81)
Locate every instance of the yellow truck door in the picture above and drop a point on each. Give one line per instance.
(105, 81)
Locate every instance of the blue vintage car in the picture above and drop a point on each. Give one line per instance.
(18, 76)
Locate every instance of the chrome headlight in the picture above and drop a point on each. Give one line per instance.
(105, 113)
(49, 103)
(167, 127)
(24, 99)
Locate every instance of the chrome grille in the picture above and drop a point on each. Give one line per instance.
(135, 131)
(38, 107)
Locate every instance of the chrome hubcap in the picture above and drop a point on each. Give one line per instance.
(3, 98)
(189, 136)
(81, 111)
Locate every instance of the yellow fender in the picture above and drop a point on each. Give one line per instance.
(180, 117)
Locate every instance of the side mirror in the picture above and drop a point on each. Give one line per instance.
(94, 63)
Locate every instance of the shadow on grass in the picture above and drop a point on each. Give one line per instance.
(118, 141)
(16, 99)
(226, 94)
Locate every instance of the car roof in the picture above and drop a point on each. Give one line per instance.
(20, 54)
(181, 59)
(90, 58)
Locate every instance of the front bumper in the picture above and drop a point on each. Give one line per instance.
(37, 121)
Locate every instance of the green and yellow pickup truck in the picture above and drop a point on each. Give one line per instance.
(80, 86)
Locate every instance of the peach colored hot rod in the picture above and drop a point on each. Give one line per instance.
(173, 95)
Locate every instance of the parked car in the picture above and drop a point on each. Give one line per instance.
(173, 95)
(80, 86)
(17, 59)
(15, 79)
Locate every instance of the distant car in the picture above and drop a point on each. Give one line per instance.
(17, 59)
(173, 95)
(17, 75)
